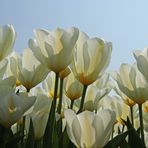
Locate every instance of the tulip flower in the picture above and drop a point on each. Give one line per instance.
(125, 98)
(88, 129)
(40, 114)
(30, 72)
(7, 38)
(142, 61)
(48, 85)
(133, 84)
(54, 49)
(12, 106)
(91, 58)
(116, 104)
(73, 88)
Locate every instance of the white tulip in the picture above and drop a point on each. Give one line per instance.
(7, 38)
(54, 49)
(29, 71)
(88, 129)
(91, 58)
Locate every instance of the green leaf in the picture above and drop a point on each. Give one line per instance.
(30, 138)
(134, 139)
(65, 139)
(124, 144)
(47, 135)
(116, 141)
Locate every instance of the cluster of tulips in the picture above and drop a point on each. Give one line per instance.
(57, 93)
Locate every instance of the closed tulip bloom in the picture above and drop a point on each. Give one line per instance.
(73, 88)
(7, 38)
(30, 72)
(142, 61)
(125, 98)
(89, 130)
(54, 49)
(48, 85)
(13, 106)
(132, 83)
(91, 58)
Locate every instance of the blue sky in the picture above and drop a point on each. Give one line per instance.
(123, 22)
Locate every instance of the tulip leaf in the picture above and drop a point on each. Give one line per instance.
(124, 144)
(13, 141)
(8, 139)
(65, 139)
(49, 132)
(30, 138)
(134, 138)
(117, 141)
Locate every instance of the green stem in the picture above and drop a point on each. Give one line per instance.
(37, 144)
(50, 128)
(132, 116)
(60, 96)
(22, 130)
(54, 103)
(141, 122)
(52, 113)
(83, 98)
(72, 103)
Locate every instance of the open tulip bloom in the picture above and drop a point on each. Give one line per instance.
(88, 129)
(56, 94)
(51, 48)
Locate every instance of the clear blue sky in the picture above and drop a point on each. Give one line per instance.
(123, 22)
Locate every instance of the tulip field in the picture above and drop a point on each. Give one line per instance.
(58, 93)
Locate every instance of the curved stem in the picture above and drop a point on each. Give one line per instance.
(83, 98)
(60, 96)
(141, 122)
